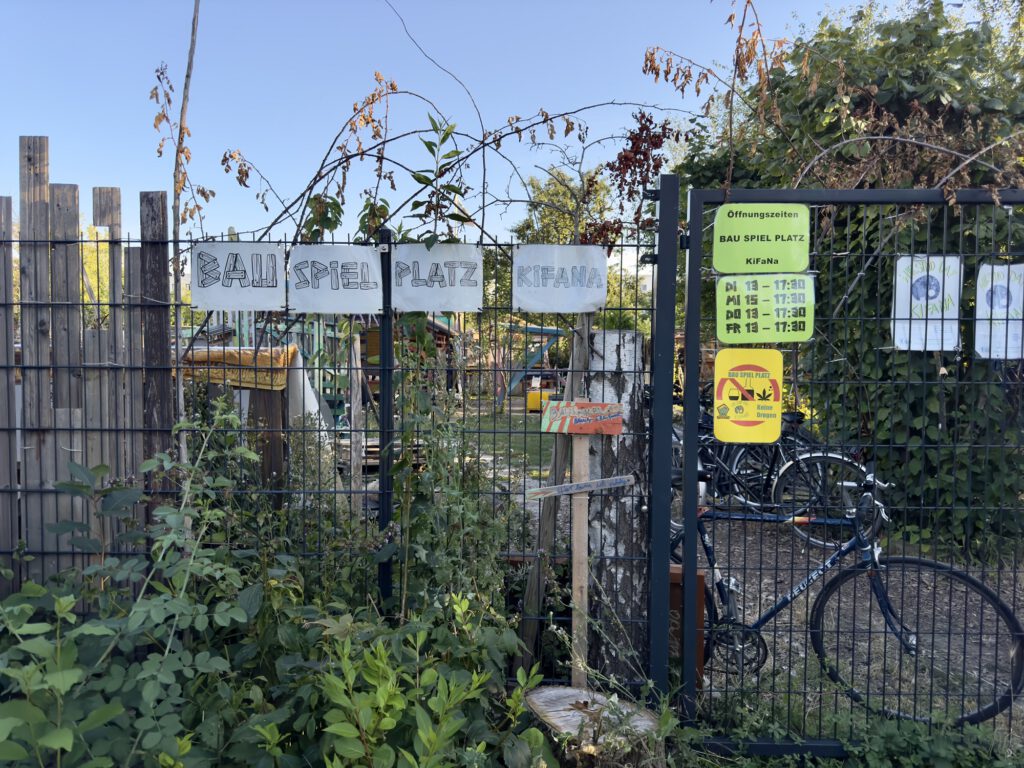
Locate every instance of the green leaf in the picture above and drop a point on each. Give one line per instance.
(8, 724)
(101, 716)
(91, 629)
(344, 729)
(11, 751)
(63, 679)
(82, 474)
(352, 749)
(58, 738)
(37, 646)
(66, 526)
(385, 553)
(251, 600)
(35, 628)
(516, 752)
(121, 499)
(422, 178)
(383, 757)
(22, 710)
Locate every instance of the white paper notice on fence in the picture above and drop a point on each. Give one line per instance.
(233, 275)
(335, 279)
(926, 303)
(999, 312)
(559, 278)
(447, 278)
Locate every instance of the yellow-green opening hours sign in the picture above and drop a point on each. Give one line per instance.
(764, 308)
(748, 395)
(761, 237)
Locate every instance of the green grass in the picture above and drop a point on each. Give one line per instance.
(511, 437)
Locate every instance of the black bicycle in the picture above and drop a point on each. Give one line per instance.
(906, 637)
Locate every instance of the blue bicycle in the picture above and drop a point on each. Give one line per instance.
(904, 636)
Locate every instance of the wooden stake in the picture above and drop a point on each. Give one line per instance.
(580, 564)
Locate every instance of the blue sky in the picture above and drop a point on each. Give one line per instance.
(276, 80)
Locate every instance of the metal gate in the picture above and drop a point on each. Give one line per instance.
(912, 372)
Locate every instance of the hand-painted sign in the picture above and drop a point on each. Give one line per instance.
(748, 395)
(563, 278)
(926, 303)
(765, 308)
(342, 279)
(761, 237)
(578, 417)
(449, 277)
(999, 307)
(622, 481)
(247, 276)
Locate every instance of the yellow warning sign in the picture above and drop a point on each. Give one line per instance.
(748, 395)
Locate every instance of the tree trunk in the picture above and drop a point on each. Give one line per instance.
(619, 518)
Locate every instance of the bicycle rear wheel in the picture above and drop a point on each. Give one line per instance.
(820, 490)
(753, 467)
(961, 656)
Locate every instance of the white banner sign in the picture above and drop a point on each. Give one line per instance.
(232, 275)
(341, 279)
(559, 278)
(999, 313)
(926, 303)
(447, 278)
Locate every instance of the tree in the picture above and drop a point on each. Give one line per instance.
(921, 100)
(563, 209)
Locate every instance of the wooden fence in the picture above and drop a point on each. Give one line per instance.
(86, 374)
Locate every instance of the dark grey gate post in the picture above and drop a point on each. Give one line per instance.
(662, 368)
(386, 406)
(691, 438)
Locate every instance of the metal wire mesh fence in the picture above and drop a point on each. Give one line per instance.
(386, 451)
(903, 437)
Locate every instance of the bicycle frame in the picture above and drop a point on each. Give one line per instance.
(869, 554)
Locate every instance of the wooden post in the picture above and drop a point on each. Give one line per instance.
(580, 560)
(357, 417)
(106, 212)
(158, 389)
(66, 290)
(133, 388)
(8, 407)
(38, 461)
(536, 583)
(581, 419)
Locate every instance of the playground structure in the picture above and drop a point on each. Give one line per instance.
(539, 342)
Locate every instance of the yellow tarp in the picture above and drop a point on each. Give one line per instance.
(240, 367)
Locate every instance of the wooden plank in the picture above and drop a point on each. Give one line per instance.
(158, 388)
(580, 560)
(96, 421)
(357, 416)
(9, 523)
(585, 486)
(38, 460)
(590, 718)
(106, 212)
(68, 439)
(133, 386)
(66, 290)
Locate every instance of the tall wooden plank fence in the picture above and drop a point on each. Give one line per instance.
(85, 358)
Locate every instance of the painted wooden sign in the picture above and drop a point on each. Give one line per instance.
(577, 417)
(622, 481)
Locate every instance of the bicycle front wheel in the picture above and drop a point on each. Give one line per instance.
(820, 490)
(919, 640)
